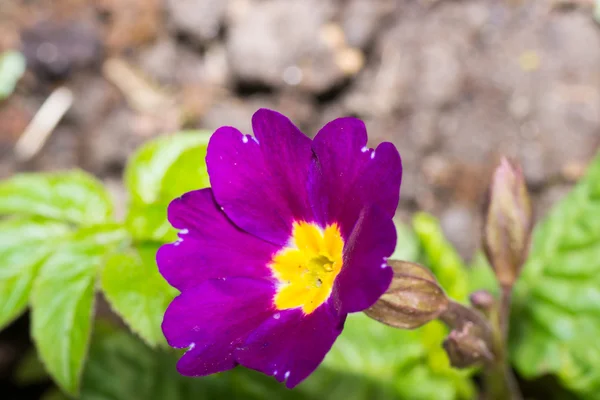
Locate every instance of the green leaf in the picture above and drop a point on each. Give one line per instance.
(43, 261)
(12, 68)
(23, 247)
(481, 275)
(371, 360)
(179, 157)
(72, 196)
(62, 304)
(556, 305)
(159, 172)
(444, 261)
(407, 245)
(62, 301)
(148, 222)
(441, 257)
(137, 292)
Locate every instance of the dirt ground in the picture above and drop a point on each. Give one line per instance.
(454, 84)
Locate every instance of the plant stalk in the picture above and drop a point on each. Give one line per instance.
(500, 383)
(457, 315)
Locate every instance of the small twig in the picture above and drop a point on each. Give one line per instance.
(139, 92)
(43, 123)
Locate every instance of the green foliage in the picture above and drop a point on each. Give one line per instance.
(50, 253)
(364, 364)
(556, 314)
(407, 245)
(481, 275)
(73, 197)
(423, 370)
(62, 301)
(12, 68)
(135, 289)
(159, 172)
(61, 236)
(373, 361)
(431, 375)
(25, 245)
(438, 254)
(441, 257)
(123, 368)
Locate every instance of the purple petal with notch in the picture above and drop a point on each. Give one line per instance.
(261, 182)
(347, 176)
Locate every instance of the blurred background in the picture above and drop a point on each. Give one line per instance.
(453, 84)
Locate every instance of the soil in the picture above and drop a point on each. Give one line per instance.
(454, 84)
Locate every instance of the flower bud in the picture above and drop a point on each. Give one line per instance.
(413, 298)
(508, 222)
(483, 301)
(465, 348)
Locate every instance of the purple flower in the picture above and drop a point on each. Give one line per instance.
(292, 236)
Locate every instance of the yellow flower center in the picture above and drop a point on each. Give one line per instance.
(308, 266)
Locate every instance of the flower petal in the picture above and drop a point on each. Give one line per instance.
(210, 246)
(365, 276)
(291, 345)
(214, 318)
(347, 175)
(260, 182)
(381, 177)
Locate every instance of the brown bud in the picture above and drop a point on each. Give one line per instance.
(465, 348)
(413, 298)
(508, 222)
(483, 301)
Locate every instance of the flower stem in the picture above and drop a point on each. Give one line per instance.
(492, 329)
(500, 383)
(504, 312)
(457, 315)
